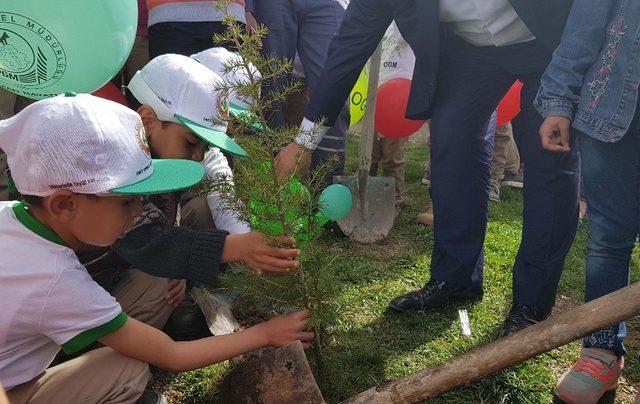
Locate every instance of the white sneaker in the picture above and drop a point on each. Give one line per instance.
(494, 190)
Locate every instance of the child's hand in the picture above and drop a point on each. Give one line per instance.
(176, 289)
(554, 134)
(253, 250)
(284, 329)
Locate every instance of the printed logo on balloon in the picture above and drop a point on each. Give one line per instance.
(31, 57)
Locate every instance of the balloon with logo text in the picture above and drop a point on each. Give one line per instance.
(391, 108)
(56, 46)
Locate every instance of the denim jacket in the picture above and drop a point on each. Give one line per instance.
(594, 75)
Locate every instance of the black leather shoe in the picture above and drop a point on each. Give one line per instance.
(522, 316)
(434, 295)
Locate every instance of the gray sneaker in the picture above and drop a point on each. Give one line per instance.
(513, 179)
(426, 178)
(494, 190)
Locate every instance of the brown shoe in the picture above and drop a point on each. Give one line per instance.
(426, 218)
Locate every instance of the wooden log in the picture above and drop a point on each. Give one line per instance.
(271, 376)
(516, 348)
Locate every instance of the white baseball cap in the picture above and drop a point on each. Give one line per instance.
(223, 62)
(87, 145)
(181, 90)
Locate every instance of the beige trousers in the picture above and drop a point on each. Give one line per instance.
(505, 153)
(196, 215)
(103, 375)
(389, 152)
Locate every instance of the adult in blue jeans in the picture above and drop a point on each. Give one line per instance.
(305, 26)
(591, 85)
(462, 71)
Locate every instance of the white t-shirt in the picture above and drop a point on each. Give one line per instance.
(48, 298)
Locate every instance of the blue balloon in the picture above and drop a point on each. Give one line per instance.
(335, 202)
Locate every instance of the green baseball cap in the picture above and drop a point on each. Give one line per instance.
(214, 137)
(244, 115)
(169, 175)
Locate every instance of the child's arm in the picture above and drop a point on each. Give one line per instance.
(199, 256)
(563, 82)
(143, 342)
(584, 36)
(217, 168)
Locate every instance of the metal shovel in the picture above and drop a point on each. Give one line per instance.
(373, 212)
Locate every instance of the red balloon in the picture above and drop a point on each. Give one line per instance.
(111, 92)
(509, 107)
(391, 107)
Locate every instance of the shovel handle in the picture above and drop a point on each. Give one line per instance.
(368, 131)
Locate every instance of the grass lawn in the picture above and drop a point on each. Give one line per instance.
(370, 345)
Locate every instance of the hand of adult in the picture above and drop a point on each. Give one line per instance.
(554, 134)
(252, 24)
(293, 159)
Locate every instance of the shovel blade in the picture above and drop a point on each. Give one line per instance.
(371, 221)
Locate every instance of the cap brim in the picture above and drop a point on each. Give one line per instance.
(168, 176)
(213, 137)
(244, 115)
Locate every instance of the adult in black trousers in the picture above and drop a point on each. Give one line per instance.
(468, 53)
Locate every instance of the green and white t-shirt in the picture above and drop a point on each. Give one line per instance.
(48, 298)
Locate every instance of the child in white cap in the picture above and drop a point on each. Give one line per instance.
(218, 60)
(181, 110)
(80, 162)
(178, 112)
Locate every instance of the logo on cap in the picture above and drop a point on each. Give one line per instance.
(31, 57)
(222, 104)
(141, 138)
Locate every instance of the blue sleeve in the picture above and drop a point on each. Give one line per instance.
(363, 26)
(582, 41)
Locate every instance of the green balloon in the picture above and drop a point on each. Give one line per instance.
(358, 98)
(49, 47)
(335, 202)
